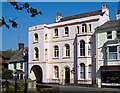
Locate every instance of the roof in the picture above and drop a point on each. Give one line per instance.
(6, 54)
(109, 24)
(19, 56)
(116, 41)
(99, 12)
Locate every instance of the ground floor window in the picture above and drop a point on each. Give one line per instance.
(110, 77)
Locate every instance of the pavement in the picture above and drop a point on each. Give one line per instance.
(79, 89)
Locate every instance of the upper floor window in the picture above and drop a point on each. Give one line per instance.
(21, 65)
(14, 66)
(66, 32)
(118, 34)
(46, 55)
(35, 37)
(112, 53)
(109, 35)
(67, 50)
(46, 37)
(36, 53)
(82, 48)
(56, 32)
(56, 72)
(89, 49)
(56, 51)
(89, 71)
(78, 29)
(82, 71)
(90, 28)
(84, 28)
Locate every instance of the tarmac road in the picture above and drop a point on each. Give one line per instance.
(77, 89)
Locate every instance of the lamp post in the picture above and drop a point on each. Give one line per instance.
(15, 82)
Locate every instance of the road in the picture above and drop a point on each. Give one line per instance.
(77, 89)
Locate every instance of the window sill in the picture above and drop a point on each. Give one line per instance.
(55, 58)
(66, 57)
(65, 35)
(36, 59)
(84, 57)
(55, 37)
(35, 42)
(55, 79)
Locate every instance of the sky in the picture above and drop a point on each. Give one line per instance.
(11, 37)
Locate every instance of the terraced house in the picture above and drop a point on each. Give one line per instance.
(64, 51)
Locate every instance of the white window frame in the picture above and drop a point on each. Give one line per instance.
(67, 50)
(35, 38)
(56, 72)
(56, 34)
(84, 28)
(36, 53)
(56, 52)
(108, 53)
(66, 31)
(90, 71)
(82, 71)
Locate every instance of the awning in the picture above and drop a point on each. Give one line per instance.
(110, 68)
(19, 71)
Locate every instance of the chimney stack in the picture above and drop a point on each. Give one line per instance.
(21, 46)
(58, 17)
(118, 15)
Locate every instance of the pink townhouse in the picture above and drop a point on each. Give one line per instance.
(65, 51)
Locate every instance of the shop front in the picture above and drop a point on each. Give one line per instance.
(110, 75)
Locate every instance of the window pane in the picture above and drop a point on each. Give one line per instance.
(113, 49)
(56, 32)
(112, 55)
(66, 30)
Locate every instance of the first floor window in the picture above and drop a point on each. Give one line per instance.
(36, 52)
(56, 51)
(89, 71)
(78, 29)
(82, 48)
(112, 52)
(56, 72)
(82, 71)
(67, 50)
(45, 53)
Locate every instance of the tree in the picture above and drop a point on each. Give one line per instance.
(32, 11)
(7, 74)
(10, 50)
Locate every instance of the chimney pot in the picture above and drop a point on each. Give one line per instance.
(21, 46)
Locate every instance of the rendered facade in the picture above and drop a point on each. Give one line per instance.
(64, 52)
(108, 53)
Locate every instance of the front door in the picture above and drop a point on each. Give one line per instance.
(67, 75)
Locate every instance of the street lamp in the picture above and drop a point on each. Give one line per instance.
(15, 81)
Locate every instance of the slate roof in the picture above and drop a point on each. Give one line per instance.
(99, 12)
(116, 41)
(6, 55)
(19, 56)
(109, 24)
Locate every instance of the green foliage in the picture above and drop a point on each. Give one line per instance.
(7, 74)
(10, 50)
(20, 88)
(18, 6)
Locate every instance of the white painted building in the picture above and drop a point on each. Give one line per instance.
(19, 62)
(64, 51)
(108, 53)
